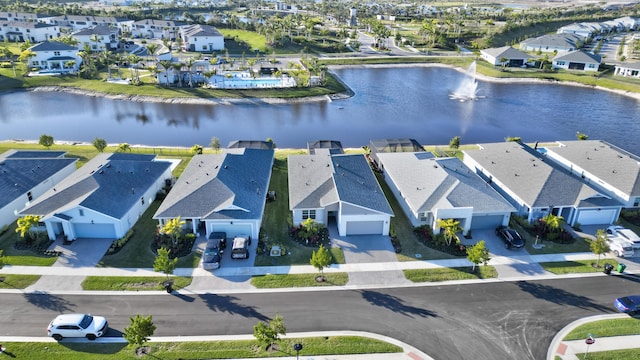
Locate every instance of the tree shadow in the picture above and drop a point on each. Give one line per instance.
(8, 353)
(183, 297)
(48, 301)
(82, 346)
(395, 304)
(229, 304)
(559, 296)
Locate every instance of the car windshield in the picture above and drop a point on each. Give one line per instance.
(86, 321)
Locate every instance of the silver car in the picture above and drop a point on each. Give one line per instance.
(77, 325)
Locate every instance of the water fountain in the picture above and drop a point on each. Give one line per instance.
(468, 88)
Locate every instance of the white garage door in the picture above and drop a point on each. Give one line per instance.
(486, 222)
(100, 231)
(365, 227)
(596, 217)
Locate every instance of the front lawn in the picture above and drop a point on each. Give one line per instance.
(577, 266)
(11, 281)
(24, 257)
(132, 283)
(298, 280)
(448, 274)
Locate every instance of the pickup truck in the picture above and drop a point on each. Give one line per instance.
(624, 235)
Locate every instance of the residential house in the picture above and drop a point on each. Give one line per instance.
(25, 175)
(9, 16)
(536, 186)
(102, 199)
(505, 56)
(251, 144)
(97, 38)
(430, 188)
(336, 187)
(156, 29)
(202, 38)
(221, 192)
(73, 23)
(553, 43)
(55, 56)
(334, 147)
(577, 60)
(21, 31)
(612, 170)
(392, 145)
(585, 30)
(628, 70)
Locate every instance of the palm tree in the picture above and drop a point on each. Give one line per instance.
(450, 228)
(173, 228)
(166, 65)
(25, 57)
(134, 61)
(178, 67)
(106, 56)
(189, 64)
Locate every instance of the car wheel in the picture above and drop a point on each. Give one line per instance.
(57, 337)
(91, 336)
(616, 253)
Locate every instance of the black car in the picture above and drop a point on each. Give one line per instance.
(511, 237)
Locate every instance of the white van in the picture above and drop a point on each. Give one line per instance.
(620, 248)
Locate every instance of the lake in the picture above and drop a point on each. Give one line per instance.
(389, 102)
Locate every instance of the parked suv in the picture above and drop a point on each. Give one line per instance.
(77, 325)
(212, 254)
(511, 237)
(620, 248)
(240, 249)
(625, 235)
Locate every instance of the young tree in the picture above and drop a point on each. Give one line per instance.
(450, 228)
(581, 136)
(270, 141)
(100, 144)
(478, 253)
(173, 228)
(197, 149)
(140, 329)
(454, 143)
(268, 334)
(164, 263)
(26, 224)
(124, 147)
(46, 141)
(215, 144)
(599, 246)
(321, 259)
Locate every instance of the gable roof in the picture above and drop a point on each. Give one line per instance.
(253, 144)
(579, 56)
(537, 181)
(316, 181)
(429, 183)
(52, 46)
(200, 30)
(554, 40)
(230, 185)
(105, 185)
(506, 52)
(18, 174)
(608, 163)
(101, 29)
(26, 154)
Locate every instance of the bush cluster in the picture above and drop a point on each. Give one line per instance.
(182, 248)
(117, 245)
(298, 234)
(437, 242)
(38, 246)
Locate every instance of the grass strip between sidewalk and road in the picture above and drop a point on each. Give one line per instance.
(132, 283)
(577, 266)
(316, 346)
(447, 274)
(10, 281)
(604, 328)
(272, 281)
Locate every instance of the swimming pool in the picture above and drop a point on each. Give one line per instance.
(245, 81)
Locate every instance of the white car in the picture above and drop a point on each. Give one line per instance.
(624, 235)
(77, 325)
(620, 248)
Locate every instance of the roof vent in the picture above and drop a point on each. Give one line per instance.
(101, 172)
(226, 166)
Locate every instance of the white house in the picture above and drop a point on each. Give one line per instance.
(55, 57)
(202, 38)
(577, 60)
(327, 186)
(98, 38)
(156, 29)
(21, 31)
(221, 192)
(628, 70)
(553, 43)
(102, 199)
(505, 56)
(26, 175)
(430, 188)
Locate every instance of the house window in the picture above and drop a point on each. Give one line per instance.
(29, 196)
(560, 63)
(306, 214)
(81, 211)
(636, 202)
(56, 53)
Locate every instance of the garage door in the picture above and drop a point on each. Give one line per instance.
(486, 222)
(100, 231)
(365, 227)
(596, 217)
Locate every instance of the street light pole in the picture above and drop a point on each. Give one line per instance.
(297, 347)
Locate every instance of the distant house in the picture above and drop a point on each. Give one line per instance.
(251, 144)
(26, 175)
(102, 199)
(577, 60)
(334, 146)
(536, 186)
(156, 29)
(613, 170)
(392, 145)
(55, 56)
(430, 188)
(326, 187)
(21, 31)
(221, 192)
(202, 38)
(585, 29)
(505, 56)
(98, 38)
(553, 43)
(628, 70)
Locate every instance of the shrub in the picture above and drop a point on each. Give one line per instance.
(437, 242)
(118, 244)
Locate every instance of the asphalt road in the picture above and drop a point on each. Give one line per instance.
(502, 320)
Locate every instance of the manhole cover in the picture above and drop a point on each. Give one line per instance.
(418, 256)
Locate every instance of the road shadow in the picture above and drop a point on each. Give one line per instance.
(229, 304)
(560, 296)
(395, 304)
(48, 301)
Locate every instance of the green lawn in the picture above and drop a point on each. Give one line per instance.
(17, 281)
(577, 266)
(132, 283)
(298, 280)
(604, 328)
(13, 256)
(448, 274)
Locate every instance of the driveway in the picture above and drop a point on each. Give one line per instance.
(368, 249)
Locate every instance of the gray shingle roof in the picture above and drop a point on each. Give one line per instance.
(554, 40)
(611, 164)
(316, 181)
(230, 185)
(200, 30)
(507, 52)
(19, 175)
(531, 176)
(26, 154)
(110, 187)
(52, 46)
(428, 183)
(96, 30)
(395, 145)
(579, 56)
